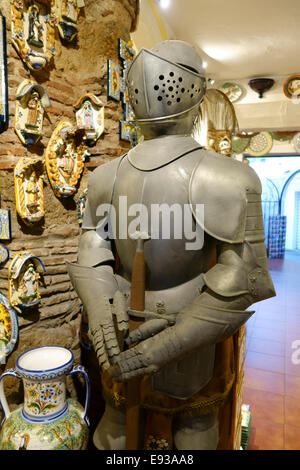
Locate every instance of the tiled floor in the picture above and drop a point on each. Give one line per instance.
(272, 374)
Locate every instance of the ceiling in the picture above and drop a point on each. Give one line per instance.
(238, 38)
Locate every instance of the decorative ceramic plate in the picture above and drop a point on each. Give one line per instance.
(260, 144)
(232, 91)
(296, 142)
(239, 144)
(291, 87)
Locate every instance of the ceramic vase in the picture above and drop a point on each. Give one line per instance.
(47, 420)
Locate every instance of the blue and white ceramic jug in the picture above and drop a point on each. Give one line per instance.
(47, 420)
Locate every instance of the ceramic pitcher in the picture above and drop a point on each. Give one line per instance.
(47, 419)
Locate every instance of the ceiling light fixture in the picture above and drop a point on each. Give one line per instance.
(164, 3)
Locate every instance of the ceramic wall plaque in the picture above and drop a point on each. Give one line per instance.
(33, 36)
(31, 101)
(117, 90)
(5, 224)
(8, 329)
(23, 280)
(90, 118)
(29, 191)
(67, 12)
(3, 76)
(4, 254)
(113, 81)
(65, 157)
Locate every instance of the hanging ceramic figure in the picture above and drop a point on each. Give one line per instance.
(33, 32)
(90, 117)
(23, 276)
(32, 99)
(8, 329)
(4, 116)
(29, 182)
(65, 157)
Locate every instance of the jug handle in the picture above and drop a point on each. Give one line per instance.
(3, 400)
(81, 370)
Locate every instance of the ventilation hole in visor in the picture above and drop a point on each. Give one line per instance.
(169, 103)
(170, 88)
(161, 77)
(156, 87)
(171, 74)
(159, 98)
(180, 79)
(136, 91)
(182, 90)
(178, 100)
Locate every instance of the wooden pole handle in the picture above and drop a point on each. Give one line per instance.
(137, 302)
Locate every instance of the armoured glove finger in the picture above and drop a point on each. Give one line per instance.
(121, 376)
(146, 330)
(120, 311)
(111, 342)
(99, 346)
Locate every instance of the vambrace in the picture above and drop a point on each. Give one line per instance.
(96, 287)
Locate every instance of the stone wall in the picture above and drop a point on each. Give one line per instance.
(78, 68)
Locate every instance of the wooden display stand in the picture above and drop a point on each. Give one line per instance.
(230, 415)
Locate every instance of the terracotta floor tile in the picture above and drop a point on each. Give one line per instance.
(264, 380)
(291, 437)
(265, 362)
(292, 386)
(266, 435)
(265, 405)
(292, 410)
(265, 346)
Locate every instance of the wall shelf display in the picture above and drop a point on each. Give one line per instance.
(33, 33)
(65, 156)
(291, 87)
(67, 12)
(31, 101)
(4, 116)
(29, 189)
(90, 118)
(23, 280)
(8, 329)
(260, 144)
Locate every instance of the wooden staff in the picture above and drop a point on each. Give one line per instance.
(133, 413)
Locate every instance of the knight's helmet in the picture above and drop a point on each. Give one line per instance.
(166, 81)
